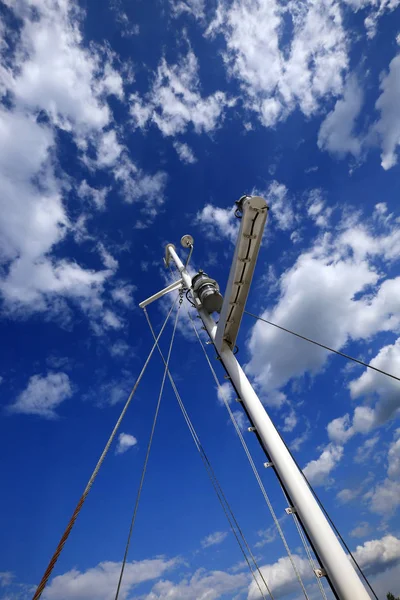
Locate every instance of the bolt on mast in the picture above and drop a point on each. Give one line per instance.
(336, 566)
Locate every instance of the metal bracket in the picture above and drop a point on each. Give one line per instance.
(251, 429)
(238, 399)
(227, 377)
(268, 464)
(320, 573)
(290, 510)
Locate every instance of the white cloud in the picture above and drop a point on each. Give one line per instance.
(185, 153)
(119, 348)
(111, 320)
(108, 149)
(374, 385)
(317, 209)
(290, 421)
(100, 582)
(385, 497)
(337, 130)
(109, 261)
(347, 495)
(365, 450)
(209, 585)
(43, 395)
(225, 393)
(281, 209)
(394, 458)
(214, 539)
(317, 471)
(70, 83)
(125, 441)
(361, 530)
(193, 7)
(301, 71)
(377, 9)
(97, 196)
(376, 556)
(124, 294)
(388, 126)
(333, 293)
(280, 577)
(218, 222)
(175, 101)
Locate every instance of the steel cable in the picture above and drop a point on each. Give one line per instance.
(78, 508)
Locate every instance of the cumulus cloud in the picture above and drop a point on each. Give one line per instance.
(361, 530)
(374, 556)
(318, 471)
(225, 393)
(69, 87)
(192, 7)
(185, 153)
(280, 204)
(384, 498)
(125, 441)
(333, 293)
(97, 196)
(175, 101)
(100, 582)
(218, 223)
(203, 584)
(214, 539)
(337, 130)
(388, 125)
(280, 577)
(43, 395)
(301, 71)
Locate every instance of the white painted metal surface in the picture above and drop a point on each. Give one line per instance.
(170, 288)
(343, 576)
(241, 273)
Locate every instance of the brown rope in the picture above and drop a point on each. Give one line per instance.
(78, 508)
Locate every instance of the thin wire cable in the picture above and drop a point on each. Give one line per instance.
(252, 464)
(233, 523)
(311, 488)
(306, 546)
(146, 460)
(303, 337)
(309, 555)
(88, 487)
(332, 522)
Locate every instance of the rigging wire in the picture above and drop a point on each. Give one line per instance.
(71, 523)
(308, 483)
(303, 337)
(331, 522)
(252, 464)
(233, 523)
(305, 545)
(146, 460)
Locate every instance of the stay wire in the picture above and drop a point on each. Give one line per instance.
(252, 464)
(305, 545)
(311, 488)
(233, 523)
(303, 337)
(71, 523)
(343, 541)
(146, 460)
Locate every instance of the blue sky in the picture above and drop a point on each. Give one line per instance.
(123, 126)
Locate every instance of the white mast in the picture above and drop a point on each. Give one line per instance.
(336, 565)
